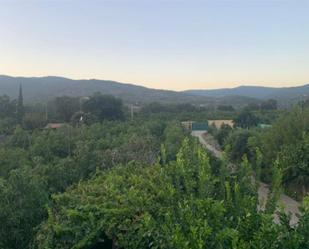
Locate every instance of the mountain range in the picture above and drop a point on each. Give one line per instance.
(258, 92)
(36, 89)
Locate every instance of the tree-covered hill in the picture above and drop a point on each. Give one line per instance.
(282, 94)
(41, 89)
(38, 89)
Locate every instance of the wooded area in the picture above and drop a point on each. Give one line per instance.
(103, 180)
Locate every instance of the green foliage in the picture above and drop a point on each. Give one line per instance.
(229, 108)
(54, 160)
(270, 104)
(104, 107)
(34, 120)
(294, 161)
(275, 188)
(222, 134)
(20, 111)
(156, 107)
(237, 145)
(65, 107)
(287, 141)
(139, 207)
(7, 107)
(246, 119)
(7, 114)
(22, 200)
(175, 206)
(12, 159)
(288, 129)
(20, 138)
(303, 227)
(81, 117)
(7, 125)
(173, 136)
(143, 184)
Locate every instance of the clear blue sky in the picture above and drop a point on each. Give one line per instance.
(161, 44)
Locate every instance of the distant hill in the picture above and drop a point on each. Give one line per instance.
(290, 94)
(43, 88)
(36, 89)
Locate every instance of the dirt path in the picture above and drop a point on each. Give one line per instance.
(290, 206)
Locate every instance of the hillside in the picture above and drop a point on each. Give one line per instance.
(42, 88)
(290, 94)
(37, 89)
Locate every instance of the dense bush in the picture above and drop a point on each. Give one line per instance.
(239, 143)
(285, 141)
(130, 184)
(36, 164)
(180, 205)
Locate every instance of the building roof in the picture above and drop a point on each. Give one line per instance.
(54, 125)
(219, 122)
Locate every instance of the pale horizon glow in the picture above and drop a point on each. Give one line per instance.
(164, 44)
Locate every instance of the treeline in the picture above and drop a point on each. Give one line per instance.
(65, 109)
(92, 109)
(99, 107)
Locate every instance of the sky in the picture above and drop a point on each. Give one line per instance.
(163, 44)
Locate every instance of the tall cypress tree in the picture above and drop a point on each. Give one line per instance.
(20, 106)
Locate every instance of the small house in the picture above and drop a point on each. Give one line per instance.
(54, 125)
(219, 122)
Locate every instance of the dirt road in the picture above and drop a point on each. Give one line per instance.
(290, 206)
